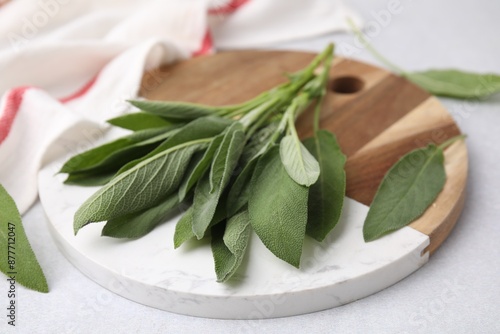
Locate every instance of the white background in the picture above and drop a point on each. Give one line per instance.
(458, 291)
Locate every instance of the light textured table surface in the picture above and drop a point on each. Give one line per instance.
(457, 291)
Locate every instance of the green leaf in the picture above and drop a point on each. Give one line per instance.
(205, 127)
(175, 111)
(95, 172)
(449, 83)
(240, 189)
(299, 163)
(103, 171)
(184, 228)
(17, 259)
(116, 152)
(209, 189)
(136, 225)
(89, 179)
(277, 208)
(139, 121)
(138, 187)
(199, 169)
(257, 143)
(227, 156)
(326, 196)
(185, 186)
(406, 191)
(229, 244)
(456, 84)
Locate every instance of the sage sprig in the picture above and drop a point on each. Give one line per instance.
(17, 260)
(229, 244)
(447, 82)
(238, 168)
(409, 187)
(330, 187)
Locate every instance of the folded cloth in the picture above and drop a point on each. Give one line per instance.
(67, 65)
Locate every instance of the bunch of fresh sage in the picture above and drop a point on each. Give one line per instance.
(239, 168)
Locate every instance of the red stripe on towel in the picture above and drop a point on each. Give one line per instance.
(13, 101)
(229, 8)
(80, 92)
(207, 45)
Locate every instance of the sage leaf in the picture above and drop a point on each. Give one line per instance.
(184, 228)
(406, 191)
(326, 196)
(240, 189)
(17, 259)
(227, 155)
(256, 147)
(94, 172)
(103, 171)
(138, 187)
(257, 143)
(136, 225)
(209, 189)
(175, 111)
(455, 83)
(299, 163)
(114, 152)
(89, 179)
(229, 244)
(448, 83)
(277, 207)
(139, 121)
(199, 168)
(205, 127)
(183, 191)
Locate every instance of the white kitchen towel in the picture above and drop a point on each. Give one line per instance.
(67, 65)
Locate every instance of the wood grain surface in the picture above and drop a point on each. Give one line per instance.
(376, 116)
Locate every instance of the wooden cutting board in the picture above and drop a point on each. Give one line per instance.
(376, 116)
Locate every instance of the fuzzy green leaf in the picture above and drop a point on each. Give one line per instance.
(210, 189)
(406, 191)
(449, 83)
(205, 127)
(198, 169)
(89, 179)
(456, 84)
(301, 165)
(136, 225)
(176, 111)
(257, 142)
(95, 172)
(138, 187)
(240, 189)
(17, 259)
(277, 208)
(326, 196)
(229, 244)
(115, 153)
(184, 228)
(139, 121)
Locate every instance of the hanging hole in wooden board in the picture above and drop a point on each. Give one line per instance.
(347, 85)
